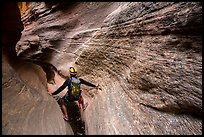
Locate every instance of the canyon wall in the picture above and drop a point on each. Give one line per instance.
(26, 107)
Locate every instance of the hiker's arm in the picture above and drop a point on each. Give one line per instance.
(60, 88)
(86, 83)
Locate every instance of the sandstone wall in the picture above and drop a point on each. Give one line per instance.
(26, 107)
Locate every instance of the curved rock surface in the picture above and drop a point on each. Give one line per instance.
(147, 58)
(26, 107)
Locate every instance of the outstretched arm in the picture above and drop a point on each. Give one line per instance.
(60, 88)
(86, 83)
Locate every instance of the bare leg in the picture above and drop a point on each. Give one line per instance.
(64, 109)
(81, 102)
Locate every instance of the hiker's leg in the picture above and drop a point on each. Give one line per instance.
(84, 105)
(64, 109)
(80, 102)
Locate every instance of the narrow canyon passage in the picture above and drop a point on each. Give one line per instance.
(54, 82)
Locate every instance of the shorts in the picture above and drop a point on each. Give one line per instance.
(70, 99)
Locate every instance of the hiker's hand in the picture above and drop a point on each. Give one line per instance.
(49, 93)
(97, 87)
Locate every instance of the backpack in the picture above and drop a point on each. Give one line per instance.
(75, 86)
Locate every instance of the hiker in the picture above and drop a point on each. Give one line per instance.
(74, 91)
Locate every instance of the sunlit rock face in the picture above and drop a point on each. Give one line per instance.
(26, 106)
(147, 58)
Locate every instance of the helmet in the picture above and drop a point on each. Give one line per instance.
(72, 71)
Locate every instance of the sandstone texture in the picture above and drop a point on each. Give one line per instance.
(146, 57)
(26, 107)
